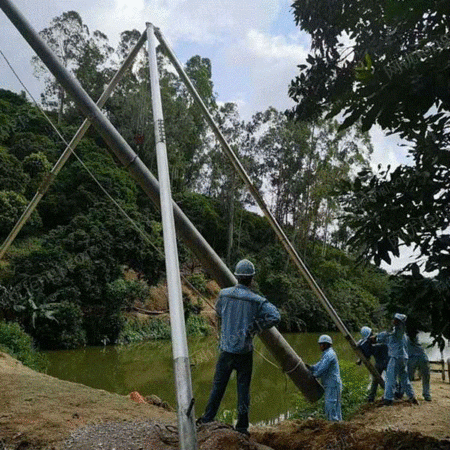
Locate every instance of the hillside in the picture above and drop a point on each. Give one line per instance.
(40, 412)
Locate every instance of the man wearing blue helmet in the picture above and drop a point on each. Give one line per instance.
(380, 354)
(327, 369)
(242, 314)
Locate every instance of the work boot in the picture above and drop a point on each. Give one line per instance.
(413, 400)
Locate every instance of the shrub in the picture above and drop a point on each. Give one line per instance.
(15, 342)
(137, 331)
(197, 326)
(199, 282)
(65, 331)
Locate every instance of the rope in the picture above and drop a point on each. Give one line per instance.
(268, 360)
(291, 370)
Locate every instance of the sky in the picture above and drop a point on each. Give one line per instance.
(254, 47)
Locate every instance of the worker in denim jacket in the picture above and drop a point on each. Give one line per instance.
(242, 314)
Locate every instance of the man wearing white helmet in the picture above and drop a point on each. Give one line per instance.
(242, 314)
(380, 354)
(327, 369)
(397, 343)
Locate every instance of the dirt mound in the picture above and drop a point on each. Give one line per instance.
(314, 434)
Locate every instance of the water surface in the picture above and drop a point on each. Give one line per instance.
(148, 369)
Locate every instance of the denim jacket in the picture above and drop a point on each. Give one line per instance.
(243, 314)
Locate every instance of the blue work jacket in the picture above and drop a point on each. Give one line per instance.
(378, 351)
(243, 314)
(327, 369)
(396, 340)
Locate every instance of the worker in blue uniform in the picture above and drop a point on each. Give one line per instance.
(380, 354)
(418, 360)
(242, 314)
(397, 343)
(327, 369)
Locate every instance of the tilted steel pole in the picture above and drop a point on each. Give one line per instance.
(273, 222)
(50, 177)
(211, 262)
(183, 383)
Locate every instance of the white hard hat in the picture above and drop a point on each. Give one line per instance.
(400, 317)
(325, 339)
(366, 332)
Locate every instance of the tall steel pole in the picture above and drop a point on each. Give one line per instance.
(272, 221)
(50, 177)
(183, 383)
(290, 362)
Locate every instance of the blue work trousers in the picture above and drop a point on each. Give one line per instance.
(227, 362)
(423, 365)
(333, 403)
(373, 387)
(397, 369)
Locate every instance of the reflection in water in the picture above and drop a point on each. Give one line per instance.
(148, 369)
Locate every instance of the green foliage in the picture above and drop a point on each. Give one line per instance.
(205, 213)
(14, 341)
(137, 331)
(12, 176)
(197, 326)
(228, 416)
(198, 281)
(354, 393)
(402, 87)
(26, 143)
(355, 306)
(65, 331)
(126, 292)
(12, 205)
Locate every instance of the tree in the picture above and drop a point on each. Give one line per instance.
(302, 162)
(66, 36)
(394, 73)
(83, 54)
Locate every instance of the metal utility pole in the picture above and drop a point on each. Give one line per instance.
(272, 221)
(183, 384)
(50, 177)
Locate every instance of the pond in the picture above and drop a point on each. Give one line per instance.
(148, 369)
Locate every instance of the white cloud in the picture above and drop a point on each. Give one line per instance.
(388, 150)
(270, 63)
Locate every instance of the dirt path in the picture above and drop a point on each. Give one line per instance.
(41, 412)
(428, 418)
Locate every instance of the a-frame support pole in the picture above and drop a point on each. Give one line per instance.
(290, 362)
(272, 221)
(50, 177)
(183, 383)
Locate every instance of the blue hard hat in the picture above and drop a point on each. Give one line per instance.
(325, 339)
(244, 268)
(366, 332)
